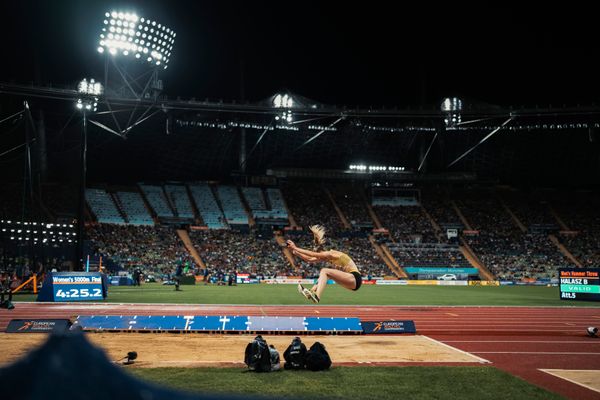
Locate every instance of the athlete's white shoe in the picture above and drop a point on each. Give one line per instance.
(304, 292)
(313, 296)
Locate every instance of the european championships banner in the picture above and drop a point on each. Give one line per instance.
(393, 327)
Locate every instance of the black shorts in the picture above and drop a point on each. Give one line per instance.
(358, 279)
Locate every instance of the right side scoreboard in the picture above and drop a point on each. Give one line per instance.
(579, 283)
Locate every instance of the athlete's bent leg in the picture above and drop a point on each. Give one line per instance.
(345, 279)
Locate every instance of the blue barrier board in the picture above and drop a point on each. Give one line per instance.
(276, 324)
(333, 324)
(218, 323)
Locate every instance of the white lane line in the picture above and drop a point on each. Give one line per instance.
(538, 352)
(482, 360)
(553, 372)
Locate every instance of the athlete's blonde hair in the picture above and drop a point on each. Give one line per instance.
(318, 232)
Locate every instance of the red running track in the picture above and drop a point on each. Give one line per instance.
(520, 340)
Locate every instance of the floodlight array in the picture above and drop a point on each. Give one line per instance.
(89, 92)
(283, 101)
(375, 168)
(452, 106)
(38, 232)
(129, 35)
(92, 87)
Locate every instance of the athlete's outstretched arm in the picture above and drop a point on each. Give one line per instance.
(322, 255)
(306, 258)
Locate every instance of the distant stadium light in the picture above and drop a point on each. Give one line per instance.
(92, 87)
(89, 93)
(284, 101)
(452, 107)
(124, 28)
(375, 168)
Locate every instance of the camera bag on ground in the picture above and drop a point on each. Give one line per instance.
(317, 358)
(257, 355)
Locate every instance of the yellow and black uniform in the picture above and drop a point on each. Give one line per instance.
(346, 264)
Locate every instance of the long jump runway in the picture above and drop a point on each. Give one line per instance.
(547, 346)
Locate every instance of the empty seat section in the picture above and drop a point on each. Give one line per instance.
(135, 209)
(207, 206)
(103, 206)
(180, 200)
(157, 200)
(232, 205)
(277, 205)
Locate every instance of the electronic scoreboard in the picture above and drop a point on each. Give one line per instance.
(579, 283)
(73, 286)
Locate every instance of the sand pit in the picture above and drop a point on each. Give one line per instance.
(587, 378)
(195, 350)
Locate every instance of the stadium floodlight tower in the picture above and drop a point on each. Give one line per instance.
(87, 101)
(137, 48)
(452, 107)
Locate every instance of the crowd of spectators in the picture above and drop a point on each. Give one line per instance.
(225, 251)
(533, 212)
(486, 214)
(580, 213)
(428, 255)
(585, 246)
(441, 210)
(518, 256)
(310, 205)
(501, 246)
(156, 249)
(406, 224)
(17, 268)
(352, 204)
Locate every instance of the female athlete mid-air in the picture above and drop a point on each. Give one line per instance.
(344, 271)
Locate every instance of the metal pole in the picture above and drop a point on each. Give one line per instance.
(79, 262)
(242, 150)
(30, 125)
(242, 157)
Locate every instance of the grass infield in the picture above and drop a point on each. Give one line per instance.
(381, 383)
(284, 294)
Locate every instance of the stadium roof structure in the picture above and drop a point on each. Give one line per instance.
(191, 139)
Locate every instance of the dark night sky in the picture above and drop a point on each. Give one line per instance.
(365, 53)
